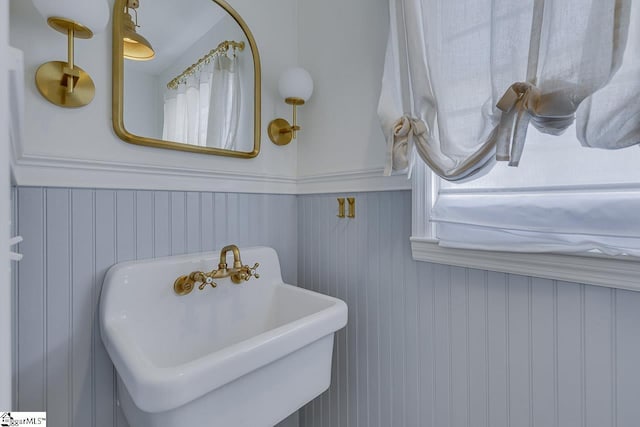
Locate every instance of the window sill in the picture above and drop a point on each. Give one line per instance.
(621, 273)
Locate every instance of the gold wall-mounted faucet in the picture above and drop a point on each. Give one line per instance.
(238, 273)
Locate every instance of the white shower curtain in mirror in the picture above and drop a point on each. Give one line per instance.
(225, 103)
(463, 79)
(204, 109)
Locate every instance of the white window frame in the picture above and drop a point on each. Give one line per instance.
(613, 272)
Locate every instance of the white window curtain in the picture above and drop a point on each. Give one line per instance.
(541, 222)
(464, 79)
(204, 108)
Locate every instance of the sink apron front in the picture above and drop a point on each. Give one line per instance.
(243, 355)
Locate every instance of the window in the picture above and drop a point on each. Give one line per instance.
(584, 180)
(465, 83)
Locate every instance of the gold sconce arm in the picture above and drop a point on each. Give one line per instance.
(70, 73)
(280, 131)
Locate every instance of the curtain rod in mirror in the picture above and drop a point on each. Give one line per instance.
(222, 48)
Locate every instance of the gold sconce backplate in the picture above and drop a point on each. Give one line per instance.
(280, 132)
(51, 83)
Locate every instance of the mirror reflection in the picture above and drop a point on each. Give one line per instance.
(188, 75)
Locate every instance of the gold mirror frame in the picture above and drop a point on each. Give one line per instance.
(118, 92)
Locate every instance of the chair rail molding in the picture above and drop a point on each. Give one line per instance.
(33, 170)
(364, 180)
(36, 170)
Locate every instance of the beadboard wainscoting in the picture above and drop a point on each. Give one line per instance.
(430, 345)
(426, 345)
(71, 238)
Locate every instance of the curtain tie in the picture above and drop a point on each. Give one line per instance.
(400, 143)
(518, 104)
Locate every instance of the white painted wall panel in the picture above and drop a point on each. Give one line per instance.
(543, 391)
(72, 236)
(105, 256)
(426, 345)
(598, 356)
(570, 358)
(627, 354)
(342, 44)
(83, 304)
(57, 300)
(6, 309)
(477, 344)
(498, 354)
(144, 225)
(30, 374)
(435, 346)
(13, 393)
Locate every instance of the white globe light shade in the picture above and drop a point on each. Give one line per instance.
(296, 83)
(93, 14)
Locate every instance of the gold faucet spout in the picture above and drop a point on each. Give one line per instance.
(237, 262)
(238, 274)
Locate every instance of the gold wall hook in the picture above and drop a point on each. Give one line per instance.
(340, 207)
(352, 207)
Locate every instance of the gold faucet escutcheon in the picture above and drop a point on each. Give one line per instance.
(238, 273)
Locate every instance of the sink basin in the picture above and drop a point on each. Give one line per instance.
(236, 355)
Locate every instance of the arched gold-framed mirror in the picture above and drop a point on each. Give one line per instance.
(191, 79)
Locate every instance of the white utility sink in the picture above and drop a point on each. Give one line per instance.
(232, 356)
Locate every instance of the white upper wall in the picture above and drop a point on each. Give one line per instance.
(78, 147)
(342, 44)
(340, 147)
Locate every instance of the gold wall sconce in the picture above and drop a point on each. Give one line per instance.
(64, 83)
(135, 47)
(295, 86)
